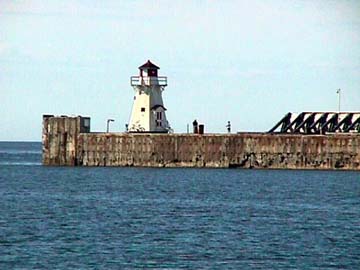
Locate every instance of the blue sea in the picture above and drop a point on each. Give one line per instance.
(147, 218)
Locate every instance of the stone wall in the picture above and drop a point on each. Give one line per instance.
(59, 138)
(67, 141)
(245, 150)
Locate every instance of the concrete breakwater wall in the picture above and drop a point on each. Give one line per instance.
(67, 141)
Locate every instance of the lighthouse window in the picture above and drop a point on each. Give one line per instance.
(158, 115)
(152, 72)
(142, 109)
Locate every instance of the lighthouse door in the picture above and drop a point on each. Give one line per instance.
(159, 119)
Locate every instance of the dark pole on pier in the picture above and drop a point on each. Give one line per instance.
(228, 127)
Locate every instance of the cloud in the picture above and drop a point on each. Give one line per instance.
(36, 7)
(70, 8)
(4, 48)
(341, 64)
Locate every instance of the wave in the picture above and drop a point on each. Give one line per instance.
(17, 152)
(25, 163)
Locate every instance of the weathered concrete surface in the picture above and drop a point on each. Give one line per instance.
(66, 141)
(59, 139)
(214, 150)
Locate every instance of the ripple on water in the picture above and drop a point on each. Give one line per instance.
(118, 218)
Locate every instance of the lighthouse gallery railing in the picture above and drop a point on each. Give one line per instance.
(138, 80)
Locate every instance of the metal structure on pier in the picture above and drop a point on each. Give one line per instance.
(318, 123)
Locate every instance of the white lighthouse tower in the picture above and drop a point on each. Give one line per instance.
(148, 112)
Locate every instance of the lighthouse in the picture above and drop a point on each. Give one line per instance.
(148, 111)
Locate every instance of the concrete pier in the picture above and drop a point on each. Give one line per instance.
(68, 141)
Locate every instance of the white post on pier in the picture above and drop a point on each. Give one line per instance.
(339, 94)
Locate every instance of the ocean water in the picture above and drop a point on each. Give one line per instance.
(145, 218)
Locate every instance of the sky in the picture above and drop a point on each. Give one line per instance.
(248, 62)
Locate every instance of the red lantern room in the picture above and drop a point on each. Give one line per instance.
(148, 69)
(148, 76)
